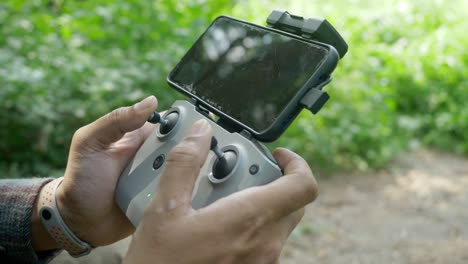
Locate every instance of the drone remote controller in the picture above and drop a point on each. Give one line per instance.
(236, 162)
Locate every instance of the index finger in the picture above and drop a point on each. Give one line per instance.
(113, 126)
(273, 201)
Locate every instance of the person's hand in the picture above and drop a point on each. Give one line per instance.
(99, 153)
(250, 226)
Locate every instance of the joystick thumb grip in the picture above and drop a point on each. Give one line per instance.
(182, 168)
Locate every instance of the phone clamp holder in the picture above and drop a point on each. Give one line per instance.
(312, 29)
(318, 29)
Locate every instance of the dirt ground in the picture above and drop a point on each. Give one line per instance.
(416, 211)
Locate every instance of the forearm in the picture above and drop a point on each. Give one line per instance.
(21, 233)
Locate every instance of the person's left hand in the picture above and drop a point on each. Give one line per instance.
(99, 153)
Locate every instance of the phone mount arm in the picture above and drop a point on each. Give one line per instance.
(314, 29)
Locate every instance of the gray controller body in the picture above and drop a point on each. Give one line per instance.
(255, 165)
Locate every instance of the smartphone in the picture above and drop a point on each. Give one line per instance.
(252, 77)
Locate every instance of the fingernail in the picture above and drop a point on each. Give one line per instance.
(200, 128)
(145, 104)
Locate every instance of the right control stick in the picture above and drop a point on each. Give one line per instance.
(225, 162)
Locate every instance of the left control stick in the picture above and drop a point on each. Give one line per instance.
(167, 123)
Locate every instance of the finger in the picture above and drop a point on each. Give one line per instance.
(292, 164)
(125, 148)
(183, 165)
(113, 126)
(137, 137)
(275, 200)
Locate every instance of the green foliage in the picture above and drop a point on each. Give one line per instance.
(65, 63)
(404, 82)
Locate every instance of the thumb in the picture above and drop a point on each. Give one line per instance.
(113, 126)
(182, 168)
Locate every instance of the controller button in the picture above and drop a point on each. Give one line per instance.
(254, 169)
(158, 162)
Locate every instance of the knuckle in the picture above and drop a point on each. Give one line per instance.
(149, 213)
(151, 216)
(305, 181)
(116, 114)
(152, 212)
(79, 134)
(240, 248)
(80, 137)
(309, 187)
(253, 218)
(257, 221)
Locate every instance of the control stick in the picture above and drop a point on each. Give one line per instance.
(225, 162)
(167, 123)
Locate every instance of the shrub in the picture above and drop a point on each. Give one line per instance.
(68, 62)
(403, 82)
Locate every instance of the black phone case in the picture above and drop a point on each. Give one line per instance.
(320, 77)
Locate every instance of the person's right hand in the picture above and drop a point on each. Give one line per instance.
(250, 226)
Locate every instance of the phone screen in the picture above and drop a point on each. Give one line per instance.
(247, 72)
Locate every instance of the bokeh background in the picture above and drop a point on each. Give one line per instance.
(401, 89)
(64, 63)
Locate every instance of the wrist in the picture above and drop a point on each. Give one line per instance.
(70, 217)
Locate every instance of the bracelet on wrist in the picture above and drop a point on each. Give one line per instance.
(54, 224)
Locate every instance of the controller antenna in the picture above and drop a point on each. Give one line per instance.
(155, 118)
